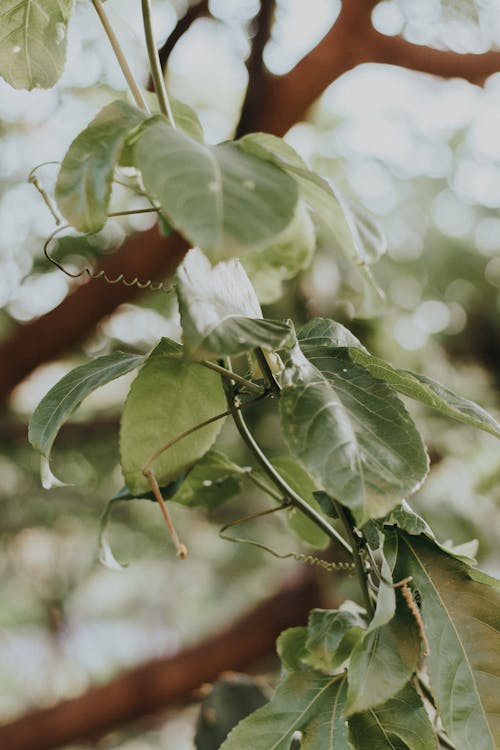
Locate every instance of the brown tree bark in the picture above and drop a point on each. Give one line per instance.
(279, 103)
(157, 684)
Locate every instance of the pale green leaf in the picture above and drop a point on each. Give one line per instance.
(65, 397)
(212, 481)
(428, 392)
(83, 187)
(220, 312)
(351, 431)
(400, 724)
(290, 253)
(33, 39)
(300, 698)
(168, 397)
(219, 197)
(460, 608)
(331, 636)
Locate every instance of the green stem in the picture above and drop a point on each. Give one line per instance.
(230, 375)
(274, 476)
(348, 524)
(272, 384)
(120, 56)
(154, 64)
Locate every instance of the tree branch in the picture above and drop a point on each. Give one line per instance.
(184, 23)
(155, 685)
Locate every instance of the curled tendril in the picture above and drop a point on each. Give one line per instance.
(94, 275)
(307, 559)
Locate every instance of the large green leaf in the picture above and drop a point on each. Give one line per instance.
(400, 724)
(220, 312)
(221, 198)
(168, 397)
(351, 431)
(33, 37)
(62, 400)
(309, 702)
(290, 253)
(461, 614)
(83, 187)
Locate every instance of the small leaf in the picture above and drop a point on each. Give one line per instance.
(352, 432)
(33, 38)
(219, 197)
(460, 608)
(331, 636)
(300, 699)
(65, 397)
(230, 700)
(212, 481)
(400, 724)
(220, 312)
(168, 397)
(83, 187)
(291, 647)
(291, 252)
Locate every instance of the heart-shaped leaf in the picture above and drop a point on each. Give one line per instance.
(33, 38)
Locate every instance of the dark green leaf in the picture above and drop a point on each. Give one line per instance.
(291, 647)
(326, 504)
(351, 432)
(83, 187)
(400, 724)
(220, 312)
(331, 636)
(221, 198)
(168, 397)
(229, 701)
(65, 397)
(304, 701)
(33, 37)
(325, 332)
(460, 608)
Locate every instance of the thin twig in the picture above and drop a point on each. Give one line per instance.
(181, 548)
(154, 64)
(120, 56)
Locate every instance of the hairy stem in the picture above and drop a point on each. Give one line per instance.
(154, 64)
(274, 476)
(348, 524)
(120, 56)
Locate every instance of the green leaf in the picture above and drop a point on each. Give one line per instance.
(351, 431)
(212, 481)
(33, 37)
(383, 661)
(168, 397)
(219, 197)
(325, 332)
(300, 481)
(83, 187)
(65, 397)
(400, 724)
(220, 312)
(461, 614)
(230, 700)
(428, 392)
(291, 252)
(304, 701)
(291, 648)
(331, 636)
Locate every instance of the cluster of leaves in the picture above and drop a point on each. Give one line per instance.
(419, 664)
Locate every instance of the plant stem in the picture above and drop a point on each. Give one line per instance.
(230, 375)
(271, 383)
(275, 477)
(348, 524)
(154, 64)
(180, 548)
(120, 56)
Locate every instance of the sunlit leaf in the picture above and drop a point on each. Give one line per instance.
(460, 608)
(400, 724)
(33, 38)
(304, 701)
(220, 312)
(351, 431)
(168, 397)
(65, 397)
(219, 197)
(230, 700)
(83, 187)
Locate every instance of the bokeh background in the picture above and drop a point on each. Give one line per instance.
(421, 153)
